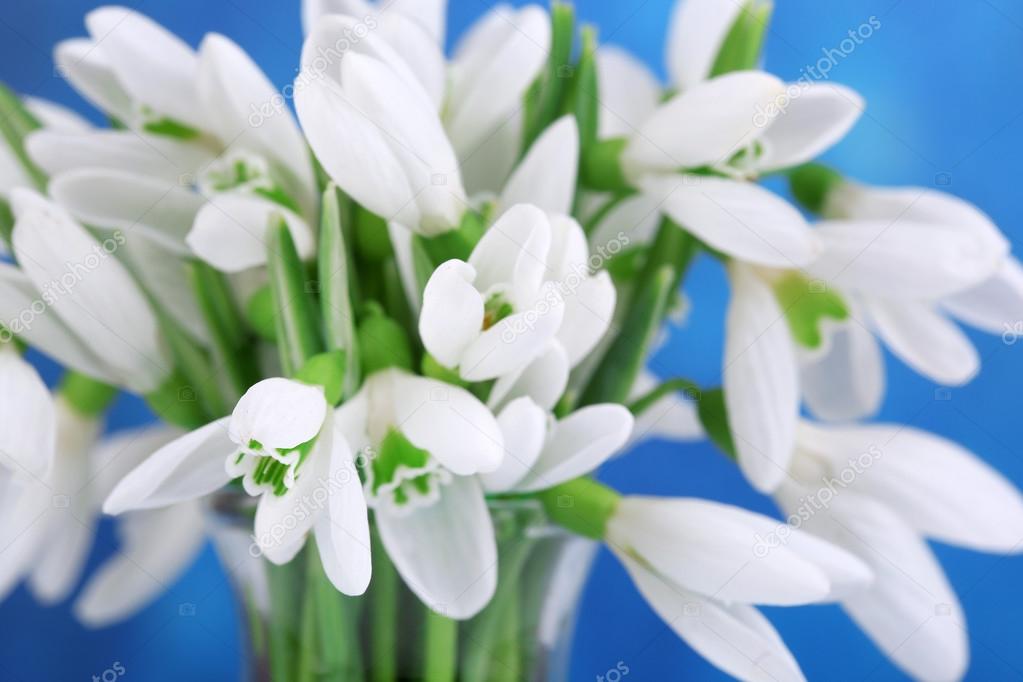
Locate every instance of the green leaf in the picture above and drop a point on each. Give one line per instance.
(259, 313)
(6, 223)
(335, 295)
(372, 241)
(587, 92)
(327, 370)
(745, 40)
(613, 380)
(807, 304)
(812, 183)
(383, 343)
(714, 417)
(298, 330)
(545, 96)
(231, 340)
(16, 122)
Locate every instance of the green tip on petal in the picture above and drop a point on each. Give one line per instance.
(807, 304)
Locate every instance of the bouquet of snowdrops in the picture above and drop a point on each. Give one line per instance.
(391, 341)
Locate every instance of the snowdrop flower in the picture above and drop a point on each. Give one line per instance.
(542, 452)
(426, 440)
(71, 298)
(282, 441)
(878, 491)
(492, 67)
(906, 261)
(413, 28)
(375, 130)
(694, 562)
(494, 314)
(210, 121)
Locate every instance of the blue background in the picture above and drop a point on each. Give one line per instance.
(943, 84)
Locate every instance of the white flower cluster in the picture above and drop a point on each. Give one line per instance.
(497, 239)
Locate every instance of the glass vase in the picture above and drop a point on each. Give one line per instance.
(299, 628)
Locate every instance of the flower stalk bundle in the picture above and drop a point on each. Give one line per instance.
(402, 328)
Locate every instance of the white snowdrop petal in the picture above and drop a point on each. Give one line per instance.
(113, 198)
(90, 73)
(447, 421)
(629, 92)
(524, 427)
(847, 381)
(160, 158)
(904, 257)
(760, 380)
(342, 534)
(705, 125)
(816, 116)
(736, 638)
(589, 309)
(230, 231)
(278, 413)
(158, 545)
(152, 64)
(101, 302)
(926, 340)
(28, 420)
(543, 380)
(741, 219)
(452, 314)
(710, 548)
(446, 553)
(546, 176)
(996, 304)
(185, 469)
(578, 445)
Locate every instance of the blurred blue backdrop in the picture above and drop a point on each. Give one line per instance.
(943, 84)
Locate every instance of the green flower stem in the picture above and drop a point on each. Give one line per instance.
(508, 653)
(231, 340)
(88, 397)
(298, 326)
(441, 648)
(335, 269)
(384, 616)
(545, 96)
(811, 184)
(647, 400)
(284, 584)
(591, 225)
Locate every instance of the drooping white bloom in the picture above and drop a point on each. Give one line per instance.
(878, 490)
(541, 452)
(375, 129)
(496, 313)
(203, 176)
(426, 441)
(413, 28)
(696, 563)
(493, 65)
(282, 441)
(906, 260)
(71, 298)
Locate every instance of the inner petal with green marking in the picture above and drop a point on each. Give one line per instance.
(402, 476)
(807, 305)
